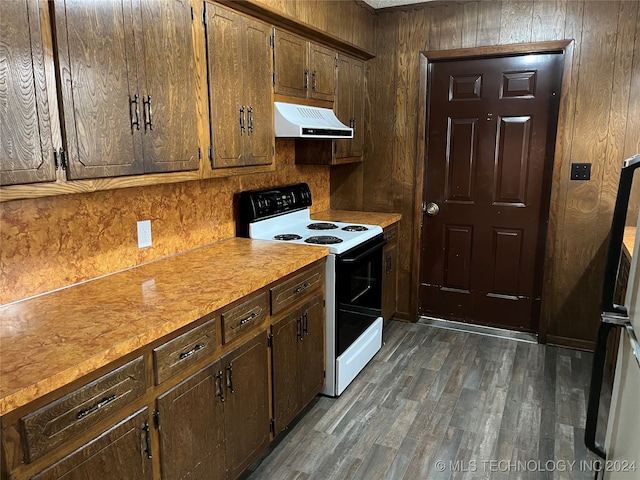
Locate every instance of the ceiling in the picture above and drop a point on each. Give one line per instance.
(390, 3)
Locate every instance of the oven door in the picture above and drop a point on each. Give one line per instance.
(358, 291)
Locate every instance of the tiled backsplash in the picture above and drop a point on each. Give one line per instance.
(53, 242)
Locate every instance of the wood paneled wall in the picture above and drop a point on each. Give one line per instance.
(602, 127)
(350, 21)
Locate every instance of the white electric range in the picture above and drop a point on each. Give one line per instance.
(353, 274)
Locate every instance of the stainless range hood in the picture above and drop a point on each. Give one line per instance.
(302, 121)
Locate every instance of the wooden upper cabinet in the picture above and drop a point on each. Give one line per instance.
(26, 151)
(302, 68)
(322, 69)
(168, 79)
(349, 105)
(241, 103)
(127, 87)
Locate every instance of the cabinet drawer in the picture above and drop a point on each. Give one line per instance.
(244, 317)
(183, 351)
(62, 419)
(292, 290)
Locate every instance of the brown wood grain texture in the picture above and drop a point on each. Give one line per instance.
(26, 153)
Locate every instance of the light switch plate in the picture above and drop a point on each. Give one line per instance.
(144, 233)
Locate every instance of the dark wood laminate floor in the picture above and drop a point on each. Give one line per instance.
(442, 404)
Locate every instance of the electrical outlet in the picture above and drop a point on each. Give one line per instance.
(144, 233)
(580, 171)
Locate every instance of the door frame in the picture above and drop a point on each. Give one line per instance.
(565, 47)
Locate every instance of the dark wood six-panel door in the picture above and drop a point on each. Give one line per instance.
(491, 133)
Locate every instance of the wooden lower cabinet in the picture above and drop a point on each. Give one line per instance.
(215, 423)
(122, 453)
(191, 427)
(298, 360)
(390, 273)
(246, 404)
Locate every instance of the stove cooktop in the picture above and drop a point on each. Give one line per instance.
(297, 227)
(282, 214)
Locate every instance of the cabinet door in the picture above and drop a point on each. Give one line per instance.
(98, 88)
(291, 65)
(311, 361)
(343, 103)
(246, 406)
(357, 106)
(390, 275)
(26, 152)
(121, 452)
(257, 90)
(191, 428)
(323, 72)
(287, 333)
(224, 52)
(167, 87)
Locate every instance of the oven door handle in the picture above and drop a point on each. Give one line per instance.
(357, 258)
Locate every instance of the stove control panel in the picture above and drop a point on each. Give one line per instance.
(261, 204)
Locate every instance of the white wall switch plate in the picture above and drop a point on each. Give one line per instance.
(144, 233)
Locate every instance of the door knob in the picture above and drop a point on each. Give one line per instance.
(431, 209)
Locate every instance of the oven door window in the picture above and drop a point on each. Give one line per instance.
(358, 293)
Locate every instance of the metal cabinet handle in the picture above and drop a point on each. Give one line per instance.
(305, 323)
(95, 407)
(199, 346)
(134, 113)
(242, 127)
(147, 436)
(250, 115)
(230, 378)
(148, 113)
(299, 328)
(219, 386)
(249, 318)
(302, 287)
(313, 81)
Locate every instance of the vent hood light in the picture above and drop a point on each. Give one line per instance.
(301, 121)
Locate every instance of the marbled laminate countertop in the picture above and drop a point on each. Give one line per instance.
(51, 340)
(348, 216)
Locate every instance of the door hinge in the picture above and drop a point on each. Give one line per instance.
(324, 374)
(269, 340)
(273, 150)
(273, 78)
(272, 40)
(60, 159)
(211, 156)
(272, 426)
(204, 15)
(199, 153)
(192, 14)
(156, 418)
(335, 62)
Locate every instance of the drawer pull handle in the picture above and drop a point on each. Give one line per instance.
(249, 318)
(302, 287)
(199, 346)
(101, 403)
